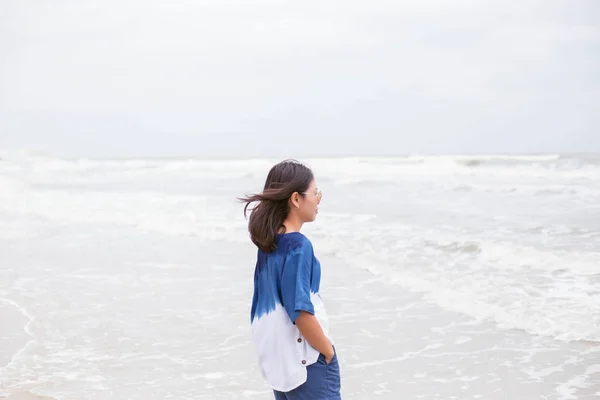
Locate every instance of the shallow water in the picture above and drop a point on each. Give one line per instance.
(464, 277)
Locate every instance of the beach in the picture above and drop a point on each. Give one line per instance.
(456, 278)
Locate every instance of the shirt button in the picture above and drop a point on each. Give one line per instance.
(303, 361)
(299, 340)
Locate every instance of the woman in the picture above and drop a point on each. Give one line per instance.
(289, 323)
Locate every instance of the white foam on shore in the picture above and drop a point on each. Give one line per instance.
(26, 329)
(541, 291)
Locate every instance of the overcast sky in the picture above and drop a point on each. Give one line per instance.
(130, 78)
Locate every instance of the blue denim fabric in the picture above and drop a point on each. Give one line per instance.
(323, 382)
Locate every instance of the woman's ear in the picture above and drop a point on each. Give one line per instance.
(295, 200)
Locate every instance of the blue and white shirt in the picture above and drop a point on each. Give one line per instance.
(286, 281)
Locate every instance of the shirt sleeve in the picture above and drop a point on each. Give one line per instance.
(296, 282)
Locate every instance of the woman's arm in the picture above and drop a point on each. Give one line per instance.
(310, 328)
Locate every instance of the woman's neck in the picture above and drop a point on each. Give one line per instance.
(292, 224)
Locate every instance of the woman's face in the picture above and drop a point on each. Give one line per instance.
(309, 203)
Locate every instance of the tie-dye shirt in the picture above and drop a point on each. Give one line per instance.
(286, 282)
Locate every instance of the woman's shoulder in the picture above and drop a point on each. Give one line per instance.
(297, 242)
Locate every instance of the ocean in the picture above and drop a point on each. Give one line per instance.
(445, 277)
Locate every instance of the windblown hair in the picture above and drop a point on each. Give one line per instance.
(267, 217)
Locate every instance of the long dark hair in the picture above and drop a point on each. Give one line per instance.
(267, 217)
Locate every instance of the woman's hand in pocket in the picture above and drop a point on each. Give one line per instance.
(329, 355)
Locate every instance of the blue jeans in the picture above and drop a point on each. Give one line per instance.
(322, 382)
